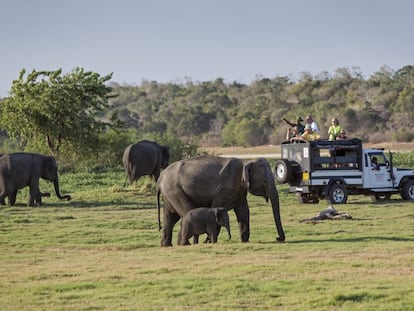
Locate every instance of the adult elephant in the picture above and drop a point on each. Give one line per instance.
(145, 158)
(215, 182)
(19, 170)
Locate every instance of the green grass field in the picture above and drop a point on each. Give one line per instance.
(101, 251)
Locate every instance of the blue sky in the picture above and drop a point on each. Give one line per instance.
(176, 40)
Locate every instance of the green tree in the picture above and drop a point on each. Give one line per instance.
(55, 111)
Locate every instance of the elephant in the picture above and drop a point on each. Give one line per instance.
(203, 220)
(19, 170)
(145, 158)
(213, 181)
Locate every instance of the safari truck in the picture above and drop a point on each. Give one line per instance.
(333, 170)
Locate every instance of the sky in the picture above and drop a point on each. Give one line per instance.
(202, 40)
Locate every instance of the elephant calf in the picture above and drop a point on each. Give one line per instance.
(203, 220)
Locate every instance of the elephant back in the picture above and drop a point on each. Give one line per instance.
(143, 158)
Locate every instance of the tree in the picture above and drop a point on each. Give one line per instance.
(50, 110)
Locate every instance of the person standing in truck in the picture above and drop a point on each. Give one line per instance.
(334, 130)
(298, 127)
(312, 123)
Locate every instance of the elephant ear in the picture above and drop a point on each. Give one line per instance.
(246, 175)
(48, 165)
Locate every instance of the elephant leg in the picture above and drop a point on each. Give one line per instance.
(180, 237)
(186, 234)
(174, 206)
(218, 230)
(32, 199)
(195, 239)
(2, 199)
(5, 193)
(243, 218)
(213, 235)
(34, 192)
(170, 219)
(156, 174)
(208, 239)
(12, 198)
(38, 199)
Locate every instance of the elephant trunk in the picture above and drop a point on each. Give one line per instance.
(57, 190)
(274, 199)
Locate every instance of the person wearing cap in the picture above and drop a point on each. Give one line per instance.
(312, 123)
(309, 134)
(299, 126)
(334, 130)
(295, 129)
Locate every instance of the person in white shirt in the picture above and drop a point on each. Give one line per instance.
(313, 124)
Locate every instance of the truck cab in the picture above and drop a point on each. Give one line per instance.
(333, 170)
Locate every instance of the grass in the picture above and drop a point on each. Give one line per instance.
(101, 252)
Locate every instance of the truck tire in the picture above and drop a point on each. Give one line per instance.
(407, 191)
(338, 194)
(283, 171)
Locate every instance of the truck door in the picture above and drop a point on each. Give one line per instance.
(378, 170)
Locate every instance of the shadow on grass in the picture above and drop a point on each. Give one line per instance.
(115, 205)
(85, 204)
(377, 203)
(352, 240)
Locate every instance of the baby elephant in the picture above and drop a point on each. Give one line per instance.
(203, 220)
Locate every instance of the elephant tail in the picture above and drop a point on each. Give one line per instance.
(159, 208)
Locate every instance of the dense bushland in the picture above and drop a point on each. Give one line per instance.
(379, 108)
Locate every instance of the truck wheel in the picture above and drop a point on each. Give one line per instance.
(338, 194)
(283, 171)
(407, 192)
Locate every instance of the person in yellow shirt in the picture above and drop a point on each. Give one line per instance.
(334, 130)
(309, 134)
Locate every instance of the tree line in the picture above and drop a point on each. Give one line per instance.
(380, 108)
(82, 116)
